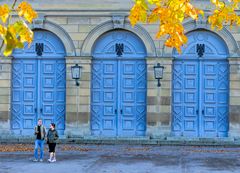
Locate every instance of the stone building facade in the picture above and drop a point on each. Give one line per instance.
(118, 94)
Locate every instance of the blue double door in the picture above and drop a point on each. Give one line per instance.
(38, 91)
(118, 101)
(200, 98)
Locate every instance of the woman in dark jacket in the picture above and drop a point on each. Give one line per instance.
(52, 137)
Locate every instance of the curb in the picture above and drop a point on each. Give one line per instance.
(171, 141)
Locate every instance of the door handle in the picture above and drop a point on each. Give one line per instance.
(35, 110)
(197, 111)
(115, 111)
(121, 111)
(203, 111)
(41, 110)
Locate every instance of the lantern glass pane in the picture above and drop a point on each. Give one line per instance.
(158, 73)
(76, 72)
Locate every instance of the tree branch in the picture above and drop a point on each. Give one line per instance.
(1, 46)
(14, 3)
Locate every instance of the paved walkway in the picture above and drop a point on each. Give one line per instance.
(122, 159)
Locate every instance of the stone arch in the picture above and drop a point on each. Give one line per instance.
(105, 45)
(213, 44)
(203, 25)
(200, 79)
(53, 45)
(109, 25)
(59, 31)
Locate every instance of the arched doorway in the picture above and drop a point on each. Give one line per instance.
(119, 85)
(200, 87)
(38, 84)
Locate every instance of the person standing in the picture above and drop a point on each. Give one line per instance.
(40, 133)
(52, 137)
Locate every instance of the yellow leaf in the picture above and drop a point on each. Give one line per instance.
(10, 44)
(4, 12)
(154, 16)
(3, 31)
(13, 38)
(157, 2)
(138, 13)
(25, 33)
(25, 9)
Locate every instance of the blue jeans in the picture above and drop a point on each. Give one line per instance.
(39, 143)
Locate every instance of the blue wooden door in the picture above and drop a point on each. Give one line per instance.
(38, 85)
(200, 98)
(118, 88)
(200, 87)
(118, 106)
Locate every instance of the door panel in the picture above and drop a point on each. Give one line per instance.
(185, 98)
(214, 122)
(52, 94)
(104, 98)
(24, 98)
(127, 121)
(208, 104)
(132, 116)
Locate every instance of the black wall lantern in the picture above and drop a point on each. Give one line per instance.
(76, 73)
(158, 73)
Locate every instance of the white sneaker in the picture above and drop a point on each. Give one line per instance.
(49, 160)
(53, 160)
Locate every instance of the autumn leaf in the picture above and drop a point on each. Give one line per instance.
(25, 9)
(4, 12)
(138, 12)
(154, 16)
(3, 31)
(25, 34)
(224, 14)
(11, 40)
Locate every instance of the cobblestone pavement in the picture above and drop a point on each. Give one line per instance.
(122, 159)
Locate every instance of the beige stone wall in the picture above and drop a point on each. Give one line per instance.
(5, 78)
(78, 98)
(159, 98)
(234, 100)
(78, 27)
(78, 20)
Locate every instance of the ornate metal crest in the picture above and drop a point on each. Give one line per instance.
(200, 49)
(119, 48)
(39, 48)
